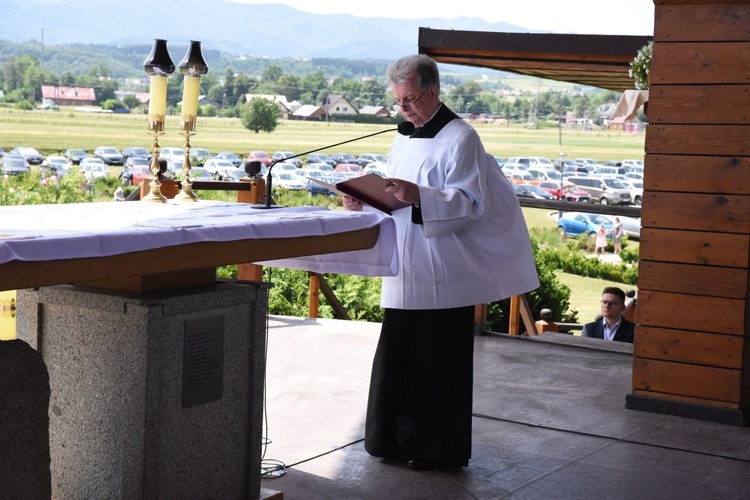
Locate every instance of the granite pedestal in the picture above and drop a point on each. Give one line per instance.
(152, 395)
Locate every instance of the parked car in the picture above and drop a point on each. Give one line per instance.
(636, 190)
(138, 173)
(541, 162)
(522, 178)
(135, 151)
(500, 161)
(198, 156)
(133, 162)
(287, 156)
(544, 174)
(320, 158)
(287, 180)
(350, 170)
(324, 167)
(604, 190)
(218, 168)
(376, 167)
(54, 164)
(173, 154)
(570, 193)
(345, 158)
(532, 191)
(75, 156)
(589, 163)
(226, 155)
(200, 174)
(31, 155)
(234, 175)
(314, 188)
(110, 155)
(631, 226)
(579, 223)
(15, 164)
(93, 168)
(367, 158)
(260, 156)
(638, 164)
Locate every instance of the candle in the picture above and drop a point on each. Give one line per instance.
(157, 102)
(190, 93)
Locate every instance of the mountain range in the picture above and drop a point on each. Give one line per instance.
(254, 30)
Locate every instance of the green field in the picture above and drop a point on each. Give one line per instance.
(52, 132)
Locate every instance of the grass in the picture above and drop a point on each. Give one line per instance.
(52, 132)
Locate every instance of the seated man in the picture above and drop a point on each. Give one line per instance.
(612, 326)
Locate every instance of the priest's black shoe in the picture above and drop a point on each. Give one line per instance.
(423, 464)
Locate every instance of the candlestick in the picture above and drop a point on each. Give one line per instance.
(159, 65)
(193, 67)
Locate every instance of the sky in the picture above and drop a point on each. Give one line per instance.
(601, 17)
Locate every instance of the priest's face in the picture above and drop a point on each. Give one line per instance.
(416, 104)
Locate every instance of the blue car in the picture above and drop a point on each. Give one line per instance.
(577, 223)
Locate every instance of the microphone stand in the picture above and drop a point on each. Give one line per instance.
(268, 204)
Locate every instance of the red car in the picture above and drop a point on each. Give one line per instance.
(140, 172)
(349, 170)
(260, 156)
(572, 193)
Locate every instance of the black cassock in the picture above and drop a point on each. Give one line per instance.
(420, 400)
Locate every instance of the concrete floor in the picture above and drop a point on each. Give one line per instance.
(549, 422)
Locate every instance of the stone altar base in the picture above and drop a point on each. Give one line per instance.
(152, 396)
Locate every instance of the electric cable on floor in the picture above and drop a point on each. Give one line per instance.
(269, 468)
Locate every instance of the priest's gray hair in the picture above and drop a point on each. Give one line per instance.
(424, 66)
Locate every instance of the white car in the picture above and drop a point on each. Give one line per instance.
(93, 168)
(287, 180)
(378, 166)
(636, 189)
(173, 154)
(218, 168)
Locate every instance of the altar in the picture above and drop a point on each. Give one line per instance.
(156, 367)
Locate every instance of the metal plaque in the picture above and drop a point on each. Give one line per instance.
(203, 361)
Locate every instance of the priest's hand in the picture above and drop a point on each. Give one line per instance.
(352, 204)
(405, 191)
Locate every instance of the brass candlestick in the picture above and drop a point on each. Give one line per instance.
(154, 194)
(193, 67)
(187, 194)
(159, 66)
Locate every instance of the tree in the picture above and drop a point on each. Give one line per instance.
(260, 114)
(131, 101)
(272, 73)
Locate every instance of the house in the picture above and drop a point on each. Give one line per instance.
(284, 107)
(381, 111)
(337, 105)
(205, 101)
(69, 96)
(309, 112)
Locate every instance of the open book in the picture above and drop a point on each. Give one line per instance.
(369, 189)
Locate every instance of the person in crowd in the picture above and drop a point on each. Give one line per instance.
(461, 241)
(617, 233)
(601, 239)
(612, 326)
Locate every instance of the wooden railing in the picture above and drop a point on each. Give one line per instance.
(520, 313)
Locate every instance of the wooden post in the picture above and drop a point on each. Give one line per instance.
(247, 271)
(480, 318)
(514, 327)
(314, 306)
(690, 355)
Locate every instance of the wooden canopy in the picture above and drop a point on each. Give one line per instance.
(596, 60)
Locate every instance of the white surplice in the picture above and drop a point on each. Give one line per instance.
(473, 246)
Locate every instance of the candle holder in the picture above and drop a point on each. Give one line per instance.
(159, 66)
(193, 66)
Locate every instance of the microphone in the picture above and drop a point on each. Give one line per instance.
(403, 128)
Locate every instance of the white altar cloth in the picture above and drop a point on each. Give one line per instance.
(82, 230)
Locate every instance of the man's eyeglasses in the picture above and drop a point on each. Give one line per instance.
(610, 303)
(406, 105)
